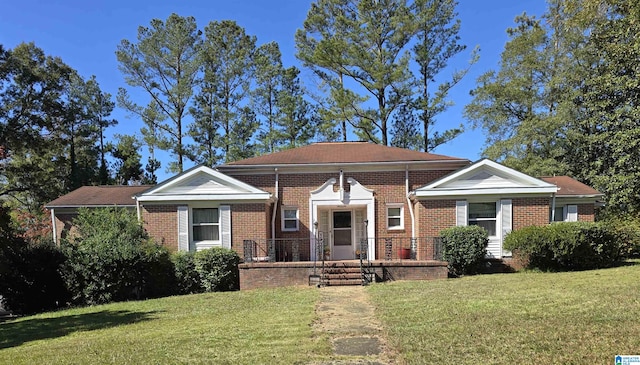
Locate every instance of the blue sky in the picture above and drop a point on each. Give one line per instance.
(85, 35)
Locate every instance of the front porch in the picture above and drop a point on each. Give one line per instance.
(287, 262)
(255, 275)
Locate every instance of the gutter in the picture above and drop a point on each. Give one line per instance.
(275, 208)
(413, 218)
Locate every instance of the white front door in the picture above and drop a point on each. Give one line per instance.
(342, 236)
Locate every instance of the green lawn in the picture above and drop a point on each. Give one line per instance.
(525, 318)
(256, 327)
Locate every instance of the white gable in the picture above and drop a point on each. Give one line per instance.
(485, 178)
(203, 183)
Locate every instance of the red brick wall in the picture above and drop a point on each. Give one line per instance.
(530, 212)
(64, 225)
(586, 213)
(249, 221)
(389, 187)
(161, 222)
(435, 215)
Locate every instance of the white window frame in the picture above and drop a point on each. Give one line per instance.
(495, 219)
(284, 219)
(401, 216)
(214, 224)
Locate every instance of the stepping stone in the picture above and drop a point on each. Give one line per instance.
(356, 346)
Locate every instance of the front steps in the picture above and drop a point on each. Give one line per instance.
(337, 274)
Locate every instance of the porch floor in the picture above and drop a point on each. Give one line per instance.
(279, 274)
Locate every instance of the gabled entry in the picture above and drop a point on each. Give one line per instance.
(339, 217)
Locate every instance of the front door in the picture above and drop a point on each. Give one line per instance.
(342, 236)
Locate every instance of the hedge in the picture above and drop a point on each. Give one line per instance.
(464, 248)
(567, 246)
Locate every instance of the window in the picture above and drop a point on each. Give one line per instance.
(565, 213)
(289, 219)
(483, 215)
(558, 216)
(206, 224)
(395, 218)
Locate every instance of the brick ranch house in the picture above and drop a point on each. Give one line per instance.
(284, 212)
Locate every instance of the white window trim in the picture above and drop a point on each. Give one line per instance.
(401, 226)
(297, 219)
(191, 225)
(496, 219)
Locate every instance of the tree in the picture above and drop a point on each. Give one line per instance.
(164, 63)
(268, 78)
(48, 128)
(365, 42)
(296, 119)
(128, 169)
(99, 107)
(604, 145)
(228, 68)
(405, 132)
(518, 106)
(437, 42)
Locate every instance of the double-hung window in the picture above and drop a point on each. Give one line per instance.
(290, 219)
(205, 224)
(484, 215)
(395, 219)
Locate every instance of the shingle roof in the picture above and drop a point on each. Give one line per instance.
(568, 186)
(120, 195)
(342, 153)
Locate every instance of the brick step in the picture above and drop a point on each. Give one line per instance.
(355, 275)
(342, 270)
(343, 282)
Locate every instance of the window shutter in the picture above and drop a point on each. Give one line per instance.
(183, 228)
(225, 225)
(507, 216)
(461, 213)
(572, 213)
(506, 212)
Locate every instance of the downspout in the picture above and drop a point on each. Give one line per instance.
(341, 185)
(413, 218)
(53, 224)
(553, 207)
(275, 209)
(138, 209)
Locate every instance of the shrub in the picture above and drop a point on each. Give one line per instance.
(567, 246)
(112, 259)
(464, 248)
(218, 269)
(188, 279)
(30, 279)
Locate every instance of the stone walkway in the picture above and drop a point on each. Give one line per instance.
(347, 316)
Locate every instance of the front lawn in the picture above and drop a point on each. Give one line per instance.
(253, 327)
(526, 318)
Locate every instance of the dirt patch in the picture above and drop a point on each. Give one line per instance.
(347, 316)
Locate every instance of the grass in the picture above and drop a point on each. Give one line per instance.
(526, 318)
(253, 327)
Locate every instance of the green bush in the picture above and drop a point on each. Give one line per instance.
(187, 277)
(218, 269)
(30, 279)
(567, 246)
(464, 248)
(112, 259)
